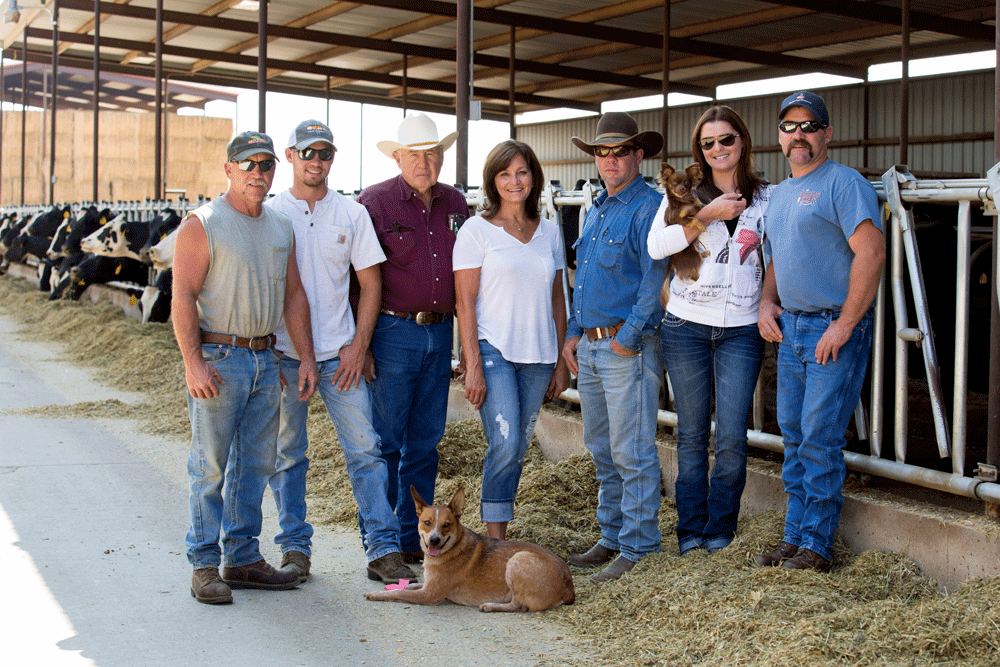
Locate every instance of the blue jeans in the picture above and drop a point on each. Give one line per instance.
(619, 399)
(815, 404)
(699, 356)
(351, 414)
(233, 439)
(514, 394)
(409, 410)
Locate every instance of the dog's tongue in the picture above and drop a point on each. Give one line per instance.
(433, 551)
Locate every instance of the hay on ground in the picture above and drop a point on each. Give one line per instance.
(873, 609)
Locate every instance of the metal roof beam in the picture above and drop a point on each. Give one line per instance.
(231, 80)
(634, 37)
(364, 43)
(289, 65)
(888, 15)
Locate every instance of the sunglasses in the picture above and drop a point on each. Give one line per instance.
(723, 139)
(325, 154)
(248, 165)
(808, 126)
(617, 151)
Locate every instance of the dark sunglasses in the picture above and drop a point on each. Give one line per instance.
(617, 151)
(808, 126)
(723, 139)
(325, 154)
(248, 165)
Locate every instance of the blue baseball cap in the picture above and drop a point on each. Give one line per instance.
(811, 101)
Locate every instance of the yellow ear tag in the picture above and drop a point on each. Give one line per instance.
(132, 301)
(118, 269)
(103, 220)
(69, 228)
(65, 214)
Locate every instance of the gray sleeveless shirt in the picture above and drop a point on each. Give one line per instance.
(244, 290)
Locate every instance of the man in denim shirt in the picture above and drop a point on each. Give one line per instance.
(823, 233)
(612, 346)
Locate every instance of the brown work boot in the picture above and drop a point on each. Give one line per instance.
(413, 557)
(260, 575)
(775, 558)
(618, 567)
(389, 569)
(296, 560)
(807, 559)
(597, 555)
(207, 587)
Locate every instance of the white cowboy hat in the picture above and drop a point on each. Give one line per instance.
(417, 132)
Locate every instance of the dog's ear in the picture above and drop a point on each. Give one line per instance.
(665, 172)
(457, 503)
(693, 171)
(418, 502)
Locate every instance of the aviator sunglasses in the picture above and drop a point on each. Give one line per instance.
(248, 165)
(617, 151)
(325, 154)
(723, 139)
(808, 126)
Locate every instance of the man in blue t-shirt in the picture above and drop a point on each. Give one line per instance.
(823, 233)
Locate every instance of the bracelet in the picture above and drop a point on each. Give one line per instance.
(696, 223)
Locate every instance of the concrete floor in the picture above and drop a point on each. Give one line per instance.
(93, 515)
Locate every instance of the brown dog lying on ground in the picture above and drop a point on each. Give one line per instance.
(476, 571)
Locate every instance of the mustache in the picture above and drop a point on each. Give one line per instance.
(799, 144)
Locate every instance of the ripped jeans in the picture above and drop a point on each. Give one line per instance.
(514, 394)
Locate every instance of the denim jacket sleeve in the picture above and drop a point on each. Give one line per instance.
(647, 310)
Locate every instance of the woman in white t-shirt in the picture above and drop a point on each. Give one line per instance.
(709, 335)
(508, 264)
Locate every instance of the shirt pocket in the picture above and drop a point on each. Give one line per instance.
(610, 248)
(398, 244)
(335, 244)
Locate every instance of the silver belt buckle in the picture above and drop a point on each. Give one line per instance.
(423, 317)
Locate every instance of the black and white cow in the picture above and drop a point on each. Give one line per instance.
(118, 238)
(99, 269)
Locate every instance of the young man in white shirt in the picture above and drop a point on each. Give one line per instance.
(333, 233)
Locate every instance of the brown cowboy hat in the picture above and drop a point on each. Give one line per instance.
(618, 127)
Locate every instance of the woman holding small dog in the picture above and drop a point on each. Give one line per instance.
(709, 333)
(508, 264)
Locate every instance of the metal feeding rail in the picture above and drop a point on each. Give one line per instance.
(899, 190)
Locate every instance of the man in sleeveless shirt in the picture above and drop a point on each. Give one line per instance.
(235, 277)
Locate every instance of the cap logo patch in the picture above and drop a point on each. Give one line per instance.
(256, 140)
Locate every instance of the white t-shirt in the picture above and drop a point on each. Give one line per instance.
(514, 305)
(337, 234)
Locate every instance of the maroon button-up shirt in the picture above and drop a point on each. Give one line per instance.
(417, 274)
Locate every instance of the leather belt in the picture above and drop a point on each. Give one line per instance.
(258, 343)
(603, 332)
(421, 318)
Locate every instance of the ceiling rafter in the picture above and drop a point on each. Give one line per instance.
(708, 27)
(309, 19)
(251, 61)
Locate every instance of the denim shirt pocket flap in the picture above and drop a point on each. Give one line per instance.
(610, 251)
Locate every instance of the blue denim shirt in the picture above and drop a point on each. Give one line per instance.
(616, 279)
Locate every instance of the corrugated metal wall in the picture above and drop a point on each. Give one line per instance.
(948, 105)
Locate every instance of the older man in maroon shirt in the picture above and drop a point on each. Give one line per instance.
(413, 216)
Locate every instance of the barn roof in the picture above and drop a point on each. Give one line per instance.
(565, 53)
